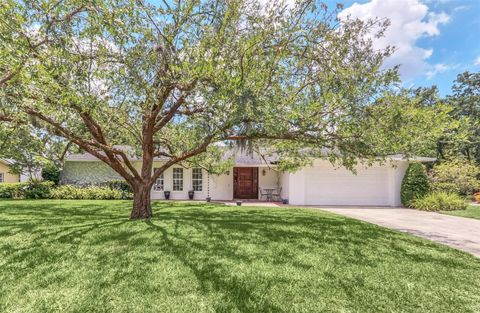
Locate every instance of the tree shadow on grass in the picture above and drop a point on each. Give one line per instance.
(212, 242)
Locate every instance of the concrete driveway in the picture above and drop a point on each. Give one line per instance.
(457, 232)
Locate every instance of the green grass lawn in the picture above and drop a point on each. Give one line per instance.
(472, 211)
(86, 256)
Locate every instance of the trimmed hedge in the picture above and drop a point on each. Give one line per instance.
(46, 190)
(440, 201)
(92, 193)
(29, 190)
(415, 184)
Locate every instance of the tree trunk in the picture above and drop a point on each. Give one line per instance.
(142, 204)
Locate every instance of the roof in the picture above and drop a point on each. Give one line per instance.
(400, 157)
(7, 161)
(241, 158)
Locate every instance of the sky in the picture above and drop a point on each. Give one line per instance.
(435, 39)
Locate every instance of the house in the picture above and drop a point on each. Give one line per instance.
(6, 175)
(252, 177)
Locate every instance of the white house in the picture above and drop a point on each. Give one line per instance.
(253, 177)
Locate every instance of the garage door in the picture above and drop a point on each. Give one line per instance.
(325, 185)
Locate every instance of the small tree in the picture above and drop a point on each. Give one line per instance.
(50, 172)
(415, 183)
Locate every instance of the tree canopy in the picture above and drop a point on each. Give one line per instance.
(174, 79)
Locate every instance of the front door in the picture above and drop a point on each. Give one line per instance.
(245, 182)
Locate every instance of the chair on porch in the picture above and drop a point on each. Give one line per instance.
(277, 194)
(262, 193)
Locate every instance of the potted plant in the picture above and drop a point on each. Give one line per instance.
(190, 194)
(239, 203)
(284, 201)
(209, 199)
(167, 194)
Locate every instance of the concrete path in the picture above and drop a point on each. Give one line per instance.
(457, 232)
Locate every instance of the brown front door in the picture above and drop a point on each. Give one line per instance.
(245, 182)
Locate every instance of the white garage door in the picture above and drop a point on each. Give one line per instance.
(325, 185)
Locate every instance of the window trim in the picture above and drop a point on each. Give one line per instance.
(174, 179)
(200, 180)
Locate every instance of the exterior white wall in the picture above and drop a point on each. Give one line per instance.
(397, 177)
(296, 187)
(221, 186)
(271, 179)
(323, 184)
(187, 185)
(285, 184)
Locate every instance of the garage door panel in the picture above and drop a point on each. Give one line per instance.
(328, 186)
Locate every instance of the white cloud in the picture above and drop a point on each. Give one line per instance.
(438, 69)
(477, 61)
(410, 20)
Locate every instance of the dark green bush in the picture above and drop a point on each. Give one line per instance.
(50, 172)
(38, 189)
(415, 184)
(440, 201)
(91, 192)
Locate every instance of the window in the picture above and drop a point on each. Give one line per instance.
(159, 183)
(197, 179)
(177, 179)
(2, 177)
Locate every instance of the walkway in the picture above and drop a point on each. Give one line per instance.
(457, 232)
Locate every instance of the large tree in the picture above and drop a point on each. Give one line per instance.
(173, 79)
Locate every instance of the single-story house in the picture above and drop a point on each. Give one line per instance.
(6, 175)
(252, 177)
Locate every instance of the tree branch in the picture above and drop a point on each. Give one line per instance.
(88, 146)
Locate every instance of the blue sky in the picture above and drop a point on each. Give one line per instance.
(437, 46)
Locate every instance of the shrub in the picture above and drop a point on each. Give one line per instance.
(50, 172)
(70, 192)
(32, 190)
(12, 190)
(440, 201)
(415, 184)
(35, 189)
(457, 176)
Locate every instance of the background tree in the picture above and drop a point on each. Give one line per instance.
(466, 103)
(31, 148)
(173, 79)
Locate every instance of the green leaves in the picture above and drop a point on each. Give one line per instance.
(415, 184)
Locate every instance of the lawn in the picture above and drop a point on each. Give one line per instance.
(472, 211)
(86, 256)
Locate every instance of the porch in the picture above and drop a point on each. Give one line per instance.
(253, 203)
(257, 184)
